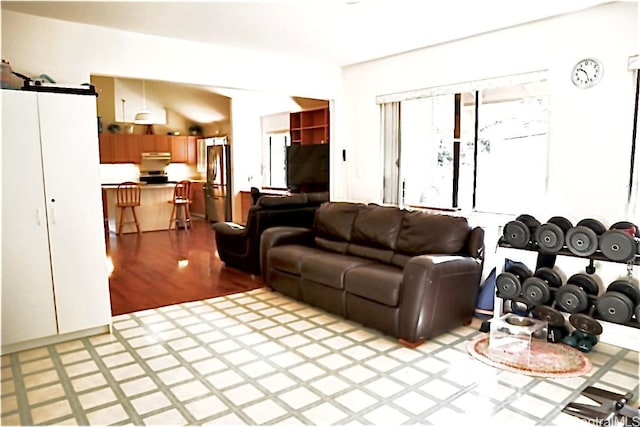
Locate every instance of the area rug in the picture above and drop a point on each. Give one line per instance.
(546, 359)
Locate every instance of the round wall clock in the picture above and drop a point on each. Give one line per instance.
(587, 73)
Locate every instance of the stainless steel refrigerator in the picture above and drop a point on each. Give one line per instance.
(217, 189)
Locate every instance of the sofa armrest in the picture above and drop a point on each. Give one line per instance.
(438, 294)
(229, 229)
(282, 235)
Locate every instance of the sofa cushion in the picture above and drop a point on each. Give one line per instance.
(425, 233)
(377, 226)
(288, 258)
(331, 245)
(382, 255)
(328, 268)
(334, 220)
(376, 282)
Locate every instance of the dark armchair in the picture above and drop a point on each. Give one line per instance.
(239, 246)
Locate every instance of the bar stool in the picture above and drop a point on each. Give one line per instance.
(128, 196)
(181, 200)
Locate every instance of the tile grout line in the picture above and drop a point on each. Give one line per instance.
(134, 417)
(20, 390)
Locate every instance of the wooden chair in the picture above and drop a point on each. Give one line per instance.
(128, 196)
(180, 211)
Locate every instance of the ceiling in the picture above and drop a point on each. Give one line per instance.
(338, 32)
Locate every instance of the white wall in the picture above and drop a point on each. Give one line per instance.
(590, 129)
(71, 53)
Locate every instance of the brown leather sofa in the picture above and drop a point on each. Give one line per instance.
(409, 274)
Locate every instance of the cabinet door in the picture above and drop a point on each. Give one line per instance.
(28, 310)
(74, 210)
(178, 149)
(148, 143)
(155, 143)
(120, 149)
(162, 143)
(106, 142)
(197, 198)
(192, 150)
(133, 147)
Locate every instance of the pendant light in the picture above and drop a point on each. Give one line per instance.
(143, 117)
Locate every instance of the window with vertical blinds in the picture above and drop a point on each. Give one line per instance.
(468, 146)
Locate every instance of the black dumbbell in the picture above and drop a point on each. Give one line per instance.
(621, 242)
(509, 283)
(581, 340)
(587, 330)
(617, 304)
(537, 289)
(518, 232)
(582, 240)
(574, 296)
(556, 329)
(551, 235)
(638, 313)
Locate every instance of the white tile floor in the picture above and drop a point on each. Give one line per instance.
(259, 358)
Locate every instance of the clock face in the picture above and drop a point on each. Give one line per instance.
(587, 73)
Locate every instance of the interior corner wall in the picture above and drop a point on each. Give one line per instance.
(590, 130)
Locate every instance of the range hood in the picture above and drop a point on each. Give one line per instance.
(156, 156)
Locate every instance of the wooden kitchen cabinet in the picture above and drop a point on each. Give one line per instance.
(119, 148)
(184, 149)
(178, 149)
(192, 150)
(197, 198)
(106, 141)
(156, 143)
(126, 148)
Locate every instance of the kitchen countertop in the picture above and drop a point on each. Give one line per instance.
(143, 185)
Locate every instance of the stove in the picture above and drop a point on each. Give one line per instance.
(155, 177)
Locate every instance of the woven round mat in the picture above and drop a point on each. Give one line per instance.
(546, 359)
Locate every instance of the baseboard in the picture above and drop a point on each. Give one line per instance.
(54, 339)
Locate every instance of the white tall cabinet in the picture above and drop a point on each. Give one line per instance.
(54, 271)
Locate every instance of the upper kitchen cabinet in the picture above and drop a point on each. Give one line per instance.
(310, 126)
(117, 148)
(156, 143)
(126, 149)
(106, 142)
(183, 149)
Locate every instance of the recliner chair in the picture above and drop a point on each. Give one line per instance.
(239, 246)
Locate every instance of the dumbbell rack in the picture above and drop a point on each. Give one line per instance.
(622, 335)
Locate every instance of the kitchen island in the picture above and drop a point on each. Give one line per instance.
(153, 213)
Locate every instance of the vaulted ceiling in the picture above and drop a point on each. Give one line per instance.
(339, 32)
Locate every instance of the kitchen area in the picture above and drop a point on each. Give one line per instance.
(206, 166)
(160, 152)
(192, 136)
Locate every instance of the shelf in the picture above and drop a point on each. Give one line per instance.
(597, 256)
(621, 335)
(309, 126)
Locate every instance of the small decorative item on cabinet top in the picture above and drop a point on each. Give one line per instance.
(114, 128)
(195, 130)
